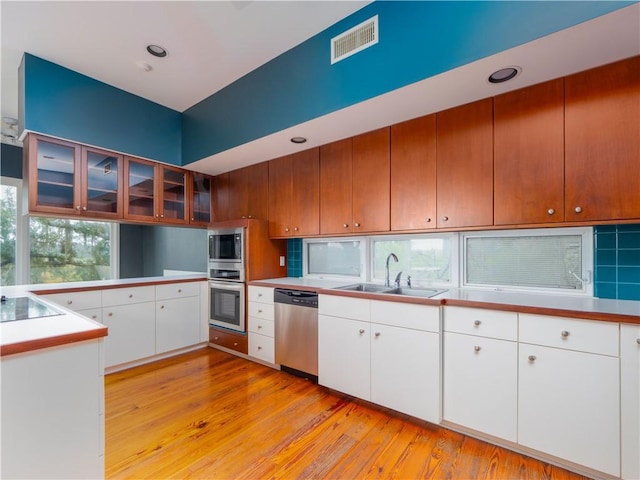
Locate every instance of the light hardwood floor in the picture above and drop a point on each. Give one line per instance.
(211, 415)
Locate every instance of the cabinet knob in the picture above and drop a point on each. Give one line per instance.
(578, 209)
(249, 216)
(295, 229)
(94, 316)
(157, 216)
(235, 344)
(638, 341)
(259, 327)
(69, 302)
(361, 331)
(532, 358)
(161, 307)
(477, 348)
(77, 207)
(377, 334)
(286, 229)
(259, 348)
(356, 224)
(445, 218)
(84, 209)
(216, 338)
(179, 290)
(564, 334)
(110, 314)
(192, 219)
(477, 323)
(243, 216)
(260, 311)
(345, 225)
(162, 215)
(551, 211)
(427, 219)
(259, 295)
(131, 295)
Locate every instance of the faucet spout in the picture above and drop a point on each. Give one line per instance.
(386, 268)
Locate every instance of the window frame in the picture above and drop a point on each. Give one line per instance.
(363, 258)
(587, 259)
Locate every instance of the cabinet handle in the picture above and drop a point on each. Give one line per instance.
(192, 219)
(259, 348)
(345, 225)
(564, 334)
(69, 302)
(131, 295)
(638, 341)
(179, 290)
(235, 344)
(578, 209)
(477, 348)
(427, 219)
(259, 311)
(94, 316)
(259, 327)
(532, 358)
(157, 216)
(84, 209)
(551, 211)
(356, 224)
(162, 215)
(216, 338)
(244, 216)
(295, 229)
(110, 314)
(249, 216)
(361, 331)
(259, 295)
(445, 218)
(377, 334)
(286, 229)
(477, 323)
(161, 307)
(77, 207)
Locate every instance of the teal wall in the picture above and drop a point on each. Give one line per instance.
(62, 103)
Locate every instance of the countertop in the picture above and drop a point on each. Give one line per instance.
(37, 333)
(627, 311)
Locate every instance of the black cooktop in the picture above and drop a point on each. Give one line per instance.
(24, 308)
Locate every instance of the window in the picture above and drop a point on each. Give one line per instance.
(550, 260)
(427, 259)
(63, 250)
(334, 257)
(10, 225)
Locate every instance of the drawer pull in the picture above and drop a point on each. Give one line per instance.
(161, 307)
(361, 331)
(110, 314)
(179, 290)
(94, 316)
(69, 302)
(259, 311)
(477, 323)
(377, 334)
(532, 358)
(235, 344)
(638, 341)
(216, 338)
(259, 327)
(131, 295)
(477, 348)
(564, 333)
(259, 295)
(259, 348)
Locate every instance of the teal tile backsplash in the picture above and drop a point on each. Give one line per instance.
(294, 257)
(617, 261)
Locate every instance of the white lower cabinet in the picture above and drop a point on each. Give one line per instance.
(384, 352)
(481, 384)
(177, 323)
(261, 323)
(630, 400)
(132, 332)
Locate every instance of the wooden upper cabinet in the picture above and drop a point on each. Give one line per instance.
(172, 195)
(529, 155)
(140, 189)
(220, 198)
(335, 187)
(602, 140)
(465, 165)
(102, 176)
(257, 191)
(242, 193)
(200, 199)
(294, 194)
(413, 174)
(371, 184)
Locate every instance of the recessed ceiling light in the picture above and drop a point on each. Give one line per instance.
(157, 50)
(298, 140)
(504, 74)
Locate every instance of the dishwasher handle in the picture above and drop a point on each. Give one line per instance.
(296, 297)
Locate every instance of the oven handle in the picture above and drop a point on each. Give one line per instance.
(239, 287)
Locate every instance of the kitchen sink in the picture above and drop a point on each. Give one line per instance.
(375, 288)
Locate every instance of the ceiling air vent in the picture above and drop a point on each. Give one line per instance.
(354, 40)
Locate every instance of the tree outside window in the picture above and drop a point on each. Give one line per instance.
(8, 234)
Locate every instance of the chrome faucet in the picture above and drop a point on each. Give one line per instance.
(386, 268)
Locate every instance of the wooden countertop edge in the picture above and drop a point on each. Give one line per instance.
(141, 283)
(40, 343)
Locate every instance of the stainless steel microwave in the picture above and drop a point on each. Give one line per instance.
(226, 245)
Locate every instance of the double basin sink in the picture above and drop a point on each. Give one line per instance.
(405, 291)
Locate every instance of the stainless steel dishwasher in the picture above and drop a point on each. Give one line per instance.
(296, 332)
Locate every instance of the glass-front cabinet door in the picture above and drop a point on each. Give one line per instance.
(102, 192)
(139, 189)
(174, 195)
(200, 194)
(53, 173)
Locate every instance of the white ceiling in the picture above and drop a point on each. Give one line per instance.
(244, 35)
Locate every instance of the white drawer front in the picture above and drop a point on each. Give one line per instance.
(261, 310)
(407, 315)
(261, 347)
(77, 300)
(93, 314)
(345, 307)
(481, 322)
(569, 333)
(177, 290)
(260, 294)
(262, 326)
(126, 296)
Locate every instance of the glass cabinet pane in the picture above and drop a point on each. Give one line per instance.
(56, 175)
(141, 189)
(102, 182)
(173, 194)
(201, 192)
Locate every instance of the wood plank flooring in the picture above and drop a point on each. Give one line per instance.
(211, 415)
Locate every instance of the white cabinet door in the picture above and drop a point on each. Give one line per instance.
(480, 384)
(177, 323)
(132, 332)
(405, 371)
(568, 404)
(630, 399)
(76, 301)
(343, 355)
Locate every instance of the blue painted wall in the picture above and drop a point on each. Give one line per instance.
(617, 261)
(417, 40)
(59, 102)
